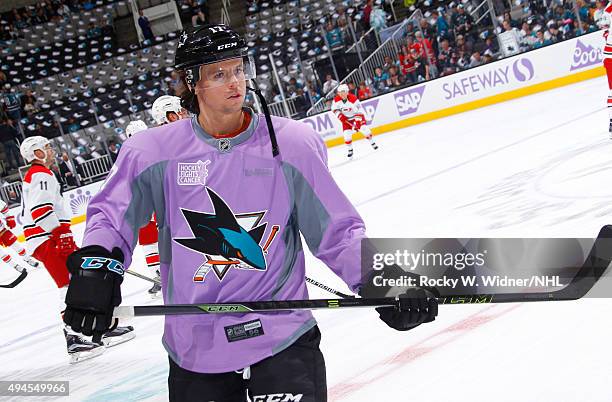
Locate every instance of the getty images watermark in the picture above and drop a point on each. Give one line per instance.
(472, 266)
(410, 261)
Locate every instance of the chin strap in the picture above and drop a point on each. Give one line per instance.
(264, 106)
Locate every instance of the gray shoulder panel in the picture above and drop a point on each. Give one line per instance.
(312, 216)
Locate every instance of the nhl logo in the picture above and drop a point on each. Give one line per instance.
(225, 145)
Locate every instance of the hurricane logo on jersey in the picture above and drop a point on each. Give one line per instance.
(226, 239)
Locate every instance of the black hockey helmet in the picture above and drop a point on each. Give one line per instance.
(213, 43)
(209, 44)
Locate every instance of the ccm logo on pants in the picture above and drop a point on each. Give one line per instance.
(278, 398)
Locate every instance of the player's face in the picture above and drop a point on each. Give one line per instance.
(172, 117)
(343, 95)
(222, 86)
(46, 155)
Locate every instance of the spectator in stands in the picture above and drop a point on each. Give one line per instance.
(87, 5)
(12, 103)
(73, 126)
(313, 91)
(113, 150)
(407, 63)
(425, 47)
(599, 15)
(476, 60)
(540, 40)
(364, 91)
(587, 27)
(145, 26)
(367, 11)
(395, 79)
(442, 27)
(445, 56)
(13, 198)
(28, 103)
(380, 80)
(555, 34)
(513, 23)
(422, 68)
(93, 31)
(491, 46)
(199, 18)
(276, 96)
(461, 45)
(378, 18)
(301, 102)
(462, 22)
(329, 85)
(388, 64)
(9, 137)
(426, 29)
(352, 88)
(333, 36)
(67, 170)
(295, 83)
(63, 11)
(527, 37)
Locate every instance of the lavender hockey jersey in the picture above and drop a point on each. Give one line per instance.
(229, 218)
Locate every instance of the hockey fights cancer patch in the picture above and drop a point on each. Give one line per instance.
(192, 174)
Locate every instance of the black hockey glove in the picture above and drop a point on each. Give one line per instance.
(416, 307)
(94, 289)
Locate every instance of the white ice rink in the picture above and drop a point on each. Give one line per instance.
(535, 166)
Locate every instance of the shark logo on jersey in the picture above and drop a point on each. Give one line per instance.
(226, 239)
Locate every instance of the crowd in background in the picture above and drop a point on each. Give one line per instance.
(448, 40)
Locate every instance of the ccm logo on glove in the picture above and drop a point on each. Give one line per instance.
(99, 262)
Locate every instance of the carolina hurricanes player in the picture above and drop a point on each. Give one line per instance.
(607, 54)
(348, 109)
(167, 109)
(46, 227)
(148, 235)
(8, 239)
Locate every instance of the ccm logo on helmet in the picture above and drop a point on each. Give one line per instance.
(227, 45)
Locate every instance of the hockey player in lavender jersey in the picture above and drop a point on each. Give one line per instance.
(230, 210)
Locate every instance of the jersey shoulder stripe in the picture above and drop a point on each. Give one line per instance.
(36, 169)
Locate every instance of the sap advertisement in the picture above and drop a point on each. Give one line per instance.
(516, 72)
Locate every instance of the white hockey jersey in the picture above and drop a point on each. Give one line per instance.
(4, 214)
(349, 107)
(43, 207)
(607, 52)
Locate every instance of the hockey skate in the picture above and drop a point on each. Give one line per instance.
(155, 291)
(80, 349)
(118, 336)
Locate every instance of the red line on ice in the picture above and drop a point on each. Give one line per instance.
(416, 351)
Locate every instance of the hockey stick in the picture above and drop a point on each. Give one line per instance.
(593, 268)
(309, 280)
(17, 281)
(146, 278)
(328, 289)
